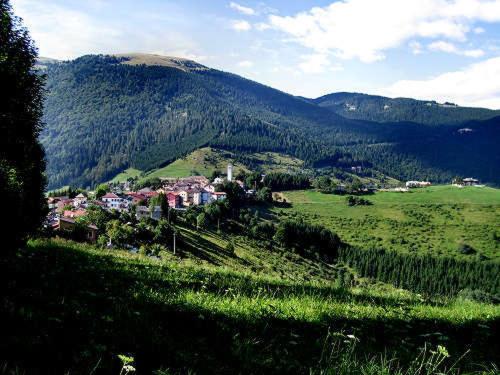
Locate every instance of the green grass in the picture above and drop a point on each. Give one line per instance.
(435, 219)
(205, 161)
(72, 307)
(126, 174)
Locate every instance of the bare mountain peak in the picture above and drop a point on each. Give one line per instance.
(159, 60)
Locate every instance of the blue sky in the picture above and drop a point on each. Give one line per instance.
(446, 50)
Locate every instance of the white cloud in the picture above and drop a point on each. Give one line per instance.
(476, 85)
(261, 26)
(365, 29)
(241, 25)
(63, 33)
(242, 9)
(443, 46)
(317, 63)
(416, 47)
(245, 64)
(473, 53)
(478, 30)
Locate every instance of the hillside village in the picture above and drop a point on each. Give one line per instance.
(180, 193)
(183, 193)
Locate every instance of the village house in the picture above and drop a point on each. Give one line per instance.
(142, 212)
(219, 196)
(114, 202)
(62, 204)
(72, 214)
(200, 196)
(65, 224)
(79, 200)
(417, 184)
(470, 181)
(174, 200)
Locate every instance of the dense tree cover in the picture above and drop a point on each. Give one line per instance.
(382, 109)
(277, 181)
(21, 157)
(103, 116)
(424, 273)
(305, 237)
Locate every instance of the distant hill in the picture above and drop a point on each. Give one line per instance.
(105, 114)
(382, 109)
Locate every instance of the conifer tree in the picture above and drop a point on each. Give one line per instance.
(22, 165)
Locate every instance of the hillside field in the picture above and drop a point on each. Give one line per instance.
(436, 219)
(206, 160)
(74, 309)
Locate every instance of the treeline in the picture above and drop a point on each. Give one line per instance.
(277, 181)
(307, 238)
(382, 109)
(425, 274)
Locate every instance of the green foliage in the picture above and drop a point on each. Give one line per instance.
(101, 190)
(432, 220)
(357, 201)
(424, 273)
(264, 195)
(161, 201)
(277, 181)
(22, 180)
(120, 234)
(382, 109)
(230, 247)
(466, 249)
(154, 310)
(167, 113)
(307, 237)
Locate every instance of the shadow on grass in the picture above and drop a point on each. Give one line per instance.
(70, 309)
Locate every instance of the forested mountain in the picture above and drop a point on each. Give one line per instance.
(383, 109)
(106, 113)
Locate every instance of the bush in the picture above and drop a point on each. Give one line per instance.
(466, 249)
(478, 296)
(357, 201)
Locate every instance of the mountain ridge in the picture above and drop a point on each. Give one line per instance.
(104, 115)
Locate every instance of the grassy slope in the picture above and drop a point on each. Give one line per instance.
(73, 307)
(126, 174)
(207, 160)
(435, 219)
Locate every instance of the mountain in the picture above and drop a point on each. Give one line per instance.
(382, 109)
(104, 114)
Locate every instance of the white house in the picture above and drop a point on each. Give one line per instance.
(417, 184)
(79, 200)
(114, 202)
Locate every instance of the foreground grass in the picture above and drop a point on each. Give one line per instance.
(436, 219)
(72, 308)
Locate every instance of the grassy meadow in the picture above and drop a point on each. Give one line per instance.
(205, 161)
(71, 308)
(436, 219)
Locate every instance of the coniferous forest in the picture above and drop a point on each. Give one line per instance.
(103, 116)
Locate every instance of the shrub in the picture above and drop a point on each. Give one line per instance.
(466, 249)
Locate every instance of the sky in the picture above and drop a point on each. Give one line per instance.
(443, 50)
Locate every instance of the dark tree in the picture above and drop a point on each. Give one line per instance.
(22, 181)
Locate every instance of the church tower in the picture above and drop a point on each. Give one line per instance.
(229, 172)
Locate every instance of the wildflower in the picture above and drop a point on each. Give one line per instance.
(128, 369)
(443, 351)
